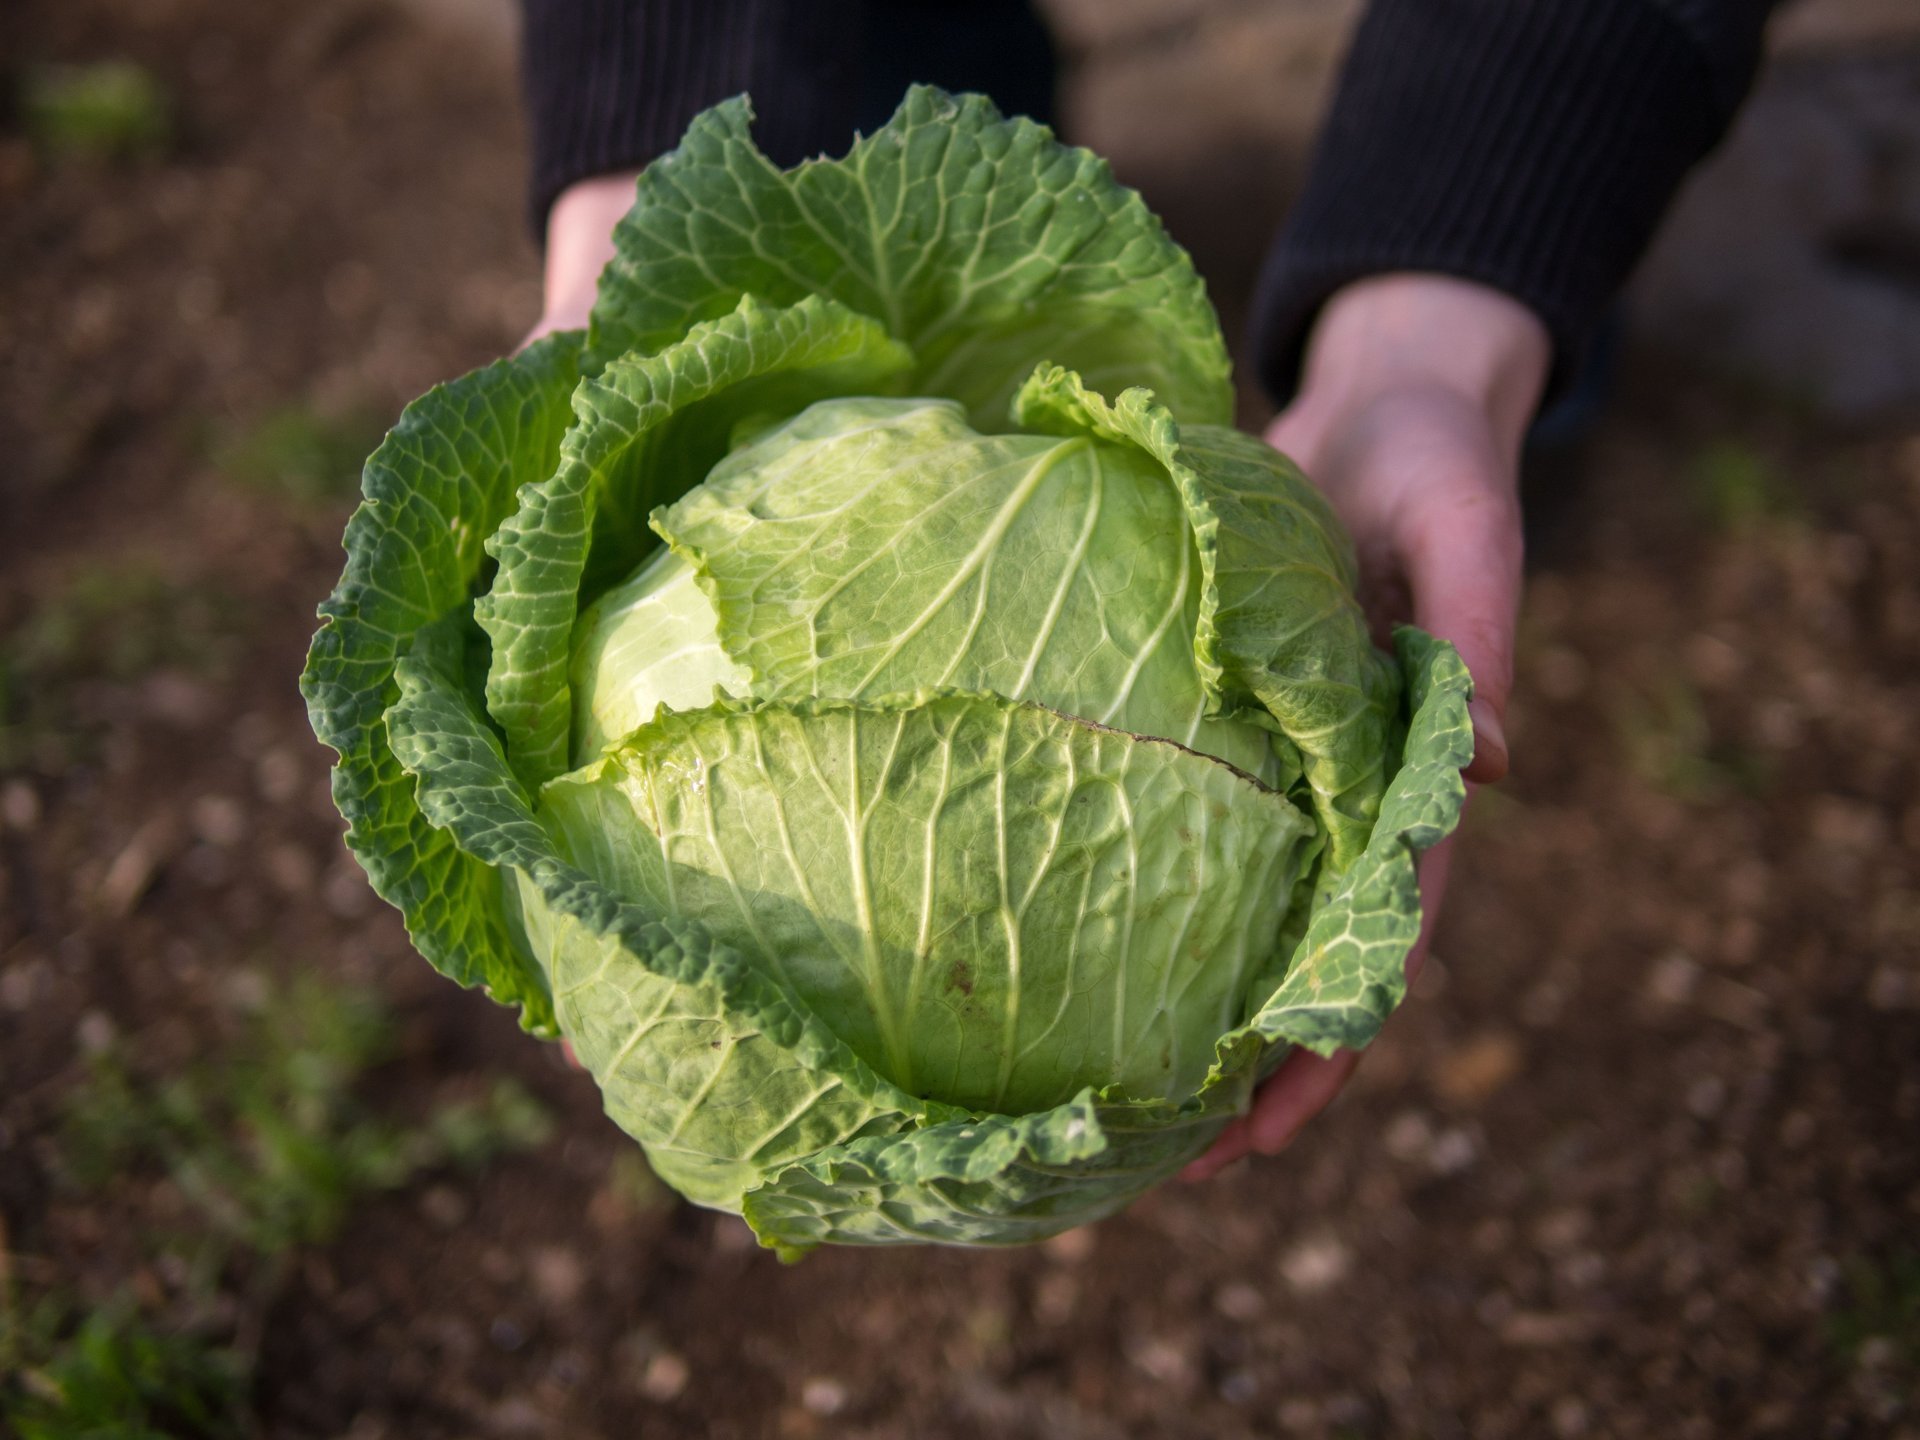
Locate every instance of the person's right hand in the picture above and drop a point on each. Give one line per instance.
(579, 244)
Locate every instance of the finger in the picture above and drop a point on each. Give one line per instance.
(1300, 1089)
(1434, 867)
(1295, 434)
(1463, 565)
(1232, 1145)
(573, 1060)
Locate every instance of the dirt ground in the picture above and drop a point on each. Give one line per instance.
(1637, 1160)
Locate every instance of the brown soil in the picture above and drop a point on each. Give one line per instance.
(1638, 1160)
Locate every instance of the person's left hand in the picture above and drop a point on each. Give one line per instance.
(1415, 395)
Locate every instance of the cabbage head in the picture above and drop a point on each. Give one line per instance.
(866, 695)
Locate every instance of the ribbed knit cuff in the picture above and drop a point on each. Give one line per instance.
(1531, 145)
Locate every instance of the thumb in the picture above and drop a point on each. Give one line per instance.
(1463, 566)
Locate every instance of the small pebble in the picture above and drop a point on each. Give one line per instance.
(345, 890)
(1055, 1294)
(1315, 1265)
(95, 1033)
(1454, 1151)
(665, 1378)
(516, 1415)
(1297, 1414)
(1707, 1096)
(1672, 979)
(19, 806)
(1238, 1300)
(1470, 1074)
(278, 774)
(291, 869)
(558, 1276)
(1161, 1360)
(1561, 1230)
(219, 820)
(1408, 1136)
(1570, 1417)
(444, 1206)
(22, 985)
(823, 1395)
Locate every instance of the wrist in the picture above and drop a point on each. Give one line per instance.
(580, 243)
(1409, 331)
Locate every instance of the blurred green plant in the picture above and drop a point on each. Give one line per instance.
(116, 1376)
(633, 1185)
(1667, 742)
(108, 110)
(270, 1144)
(1881, 1313)
(114, 621)
(119, 619)
(1736, 487)
(300, 453)
(1492, 809)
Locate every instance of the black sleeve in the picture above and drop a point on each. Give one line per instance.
(1532, 145)
(610, 84)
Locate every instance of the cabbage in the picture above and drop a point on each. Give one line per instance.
(866, 696)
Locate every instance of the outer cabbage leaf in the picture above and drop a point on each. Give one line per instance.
(1350, 971)
(875, 547)
(1278, 620)
(994, 904)
(1000, 1180)
(435, 489)
(649, 428)
(981, 242)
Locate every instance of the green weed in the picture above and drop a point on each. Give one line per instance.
(118, 1376)
(301, 454)
(1667, 741)
(633, 1185)
(1493, 808)
(113, 622)
(1882, 1311)
(110, 110)
(1736, 487)
(270, 1144)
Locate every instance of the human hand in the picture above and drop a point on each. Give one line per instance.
(1416, 394)
(579, 245)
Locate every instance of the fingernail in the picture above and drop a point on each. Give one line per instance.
(1488, 732)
